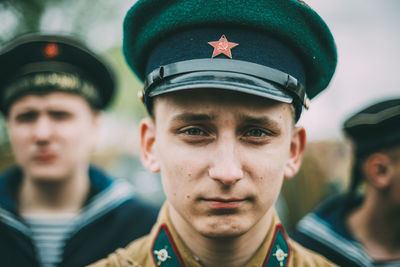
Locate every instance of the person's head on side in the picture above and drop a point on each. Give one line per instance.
(375, 135)
(52, 89)
(224, 86)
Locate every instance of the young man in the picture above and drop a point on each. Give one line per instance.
(224, 88)
(56, 209)
(356, 229)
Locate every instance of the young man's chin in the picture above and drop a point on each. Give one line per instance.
(47, 175)
(222, 227)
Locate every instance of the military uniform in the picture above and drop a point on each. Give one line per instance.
(279, 50)
(326, 230)
(111, 216)
(164, 247)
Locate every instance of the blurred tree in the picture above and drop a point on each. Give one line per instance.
(91, 20)
(126, 100)
(27, 13)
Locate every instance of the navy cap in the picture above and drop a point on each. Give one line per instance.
(375, 127)
(276, 49)
(41, 63)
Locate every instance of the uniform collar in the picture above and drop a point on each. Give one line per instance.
(168, 249)
(11, 179)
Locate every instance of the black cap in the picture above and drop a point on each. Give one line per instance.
(37, 63)
(375, 127)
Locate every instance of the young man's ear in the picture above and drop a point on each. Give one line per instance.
(297, 146)
(377, 169)
(147, 145)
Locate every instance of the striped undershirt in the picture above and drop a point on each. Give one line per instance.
(49, 232)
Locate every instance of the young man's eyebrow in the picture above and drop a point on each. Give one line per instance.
(187, 117)
(259, 121)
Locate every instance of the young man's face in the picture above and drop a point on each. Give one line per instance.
(222, 156)
(52, 135)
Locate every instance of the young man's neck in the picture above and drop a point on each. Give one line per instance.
(64, 196)
(376, 226)
(215, 252)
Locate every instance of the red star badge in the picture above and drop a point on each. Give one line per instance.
(51, 50)
(222, 46)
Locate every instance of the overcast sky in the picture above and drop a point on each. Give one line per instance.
(368, 41)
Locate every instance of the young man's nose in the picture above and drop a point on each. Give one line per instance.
(226, 166)
(43, 129)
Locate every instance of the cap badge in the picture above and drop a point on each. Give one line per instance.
(280, 255)
(162, 255)
(51, 50)
(222, 46)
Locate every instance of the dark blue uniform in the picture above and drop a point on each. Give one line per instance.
(325, 231)
(111, 217)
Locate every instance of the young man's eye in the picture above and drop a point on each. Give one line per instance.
(60, 115)
(256, 133)
(26, 117)
(194, 131)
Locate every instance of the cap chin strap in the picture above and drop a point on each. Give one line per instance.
(287, 82)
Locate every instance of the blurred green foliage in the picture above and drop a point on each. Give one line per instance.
(126, 100)
(69, 16)
(27, 13)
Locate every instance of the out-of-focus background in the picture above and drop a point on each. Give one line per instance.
(367, 39)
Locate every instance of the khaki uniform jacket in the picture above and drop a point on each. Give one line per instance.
(163, 247)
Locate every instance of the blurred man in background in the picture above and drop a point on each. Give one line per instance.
(55, 208)
(225, 83)
(363, 229)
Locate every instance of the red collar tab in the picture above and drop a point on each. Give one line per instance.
(222, 46)
(279, 251)
(164, 250)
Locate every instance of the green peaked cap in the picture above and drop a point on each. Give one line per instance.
(290, 21)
